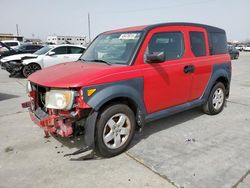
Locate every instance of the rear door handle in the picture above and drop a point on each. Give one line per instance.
(189, 69)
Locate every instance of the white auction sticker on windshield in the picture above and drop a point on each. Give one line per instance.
(128, 36)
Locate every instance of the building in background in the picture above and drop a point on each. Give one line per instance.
(7, 36)
(33, 40)
(67, 40)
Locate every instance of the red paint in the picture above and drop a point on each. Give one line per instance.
(165, 84)
(54, 125)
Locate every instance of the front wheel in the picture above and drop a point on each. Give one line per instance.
(115, 130)
(216, 100)
(30, 68)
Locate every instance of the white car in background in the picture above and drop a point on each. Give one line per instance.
(11, 43)
(247, 48)
(240, 47)
(45, 57)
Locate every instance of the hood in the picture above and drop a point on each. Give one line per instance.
(18, 57)
(69, 75)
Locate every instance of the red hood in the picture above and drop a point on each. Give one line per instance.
(73, 74)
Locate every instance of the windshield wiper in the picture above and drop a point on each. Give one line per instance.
(101, 61)
(81, 60)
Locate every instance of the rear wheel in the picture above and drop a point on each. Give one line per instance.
(115, 130)
(216, 100)
(30, 68)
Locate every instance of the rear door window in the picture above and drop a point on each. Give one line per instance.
(198, 45)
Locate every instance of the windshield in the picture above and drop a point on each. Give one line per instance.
(114, 48)
(43, 50)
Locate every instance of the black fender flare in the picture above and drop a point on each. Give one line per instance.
(219, 71)
(132, 89)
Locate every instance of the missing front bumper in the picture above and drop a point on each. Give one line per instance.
(54, 124)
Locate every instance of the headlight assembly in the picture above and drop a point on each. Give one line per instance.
(59, 99)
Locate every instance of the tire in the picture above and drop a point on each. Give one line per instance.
(114, 130)
(216, 100)
(30, 68)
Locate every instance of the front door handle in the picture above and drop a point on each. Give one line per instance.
(189, 69)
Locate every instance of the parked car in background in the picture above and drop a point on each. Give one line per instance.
(12, 43)
(28, 48)
(234, 53)
(247, 48)
(46, 56)
(128, 77)
(4, 49)
(24, 48)
(240, 47)
(7, 63)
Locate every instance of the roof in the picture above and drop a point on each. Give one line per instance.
(127, 29)
(9, 41)
(150, 27)
(65, 36)
(58, 45)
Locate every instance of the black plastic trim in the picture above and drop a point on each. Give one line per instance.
(132, 89)
(207, 27)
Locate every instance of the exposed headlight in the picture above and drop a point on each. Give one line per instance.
(59, 99)
(28, 87)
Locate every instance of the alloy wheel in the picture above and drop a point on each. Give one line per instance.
(218, 98)
(116, 131)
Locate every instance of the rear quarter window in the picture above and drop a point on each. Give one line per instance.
(218, 43)
(198, 45)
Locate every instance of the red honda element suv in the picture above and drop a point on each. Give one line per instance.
(128, 77)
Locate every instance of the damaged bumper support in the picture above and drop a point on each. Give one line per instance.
(62, 125)
(12, 66)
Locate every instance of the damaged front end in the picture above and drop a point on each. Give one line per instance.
(12, 66)
(62, 112)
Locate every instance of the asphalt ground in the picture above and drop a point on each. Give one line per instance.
(189, 149)
(192, 149)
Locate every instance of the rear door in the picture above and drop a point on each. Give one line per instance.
(200, 59)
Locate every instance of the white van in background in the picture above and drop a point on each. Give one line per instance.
(11, 43)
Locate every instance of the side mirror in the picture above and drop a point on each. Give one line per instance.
(51, 53)
(156, 57)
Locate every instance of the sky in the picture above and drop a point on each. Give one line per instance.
(40, 18)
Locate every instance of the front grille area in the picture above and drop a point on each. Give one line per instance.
(40, 96)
